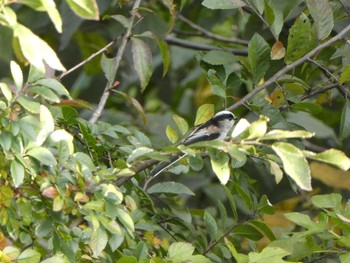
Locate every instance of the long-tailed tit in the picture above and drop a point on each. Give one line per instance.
(214, 129)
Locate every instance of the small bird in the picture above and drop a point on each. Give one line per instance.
(216, 128)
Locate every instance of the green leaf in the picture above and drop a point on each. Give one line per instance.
(181, 124)
(307, 107)
(56, 259)
(219, 57)
(275, 170)
(126, 220)
(223, 4)
(282, 134)
(331, 156)
(135, 103)
(6, 91)
(345, 121)
(220, 164)
(142, 58)
(170, 188)
(108, 67)
(300, 39)
(321, 12)
(204, 113)
(98, 241)
(138, 152)
(345, 75)
(258, 128)
(127, 259)
(87, 9)
(331, 201)
(35, 50)
(47, 125)
(122, 20)
(262, 227)
(17, 75)
(258, 57)
(211, 225)
(29, 256)
(218, 87)
(55, 85)
(50, 8)
(247, 231)
(269, 255)
(180, 251)
(45, 93)
(294, 164)
(43, 155)
(64, 142)
(238, 157)
(171, 134)
(17, 172)
(164, 51)
(29, 104)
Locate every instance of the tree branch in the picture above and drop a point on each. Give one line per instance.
(211, 35)
(289, 67)
(196, 46)
(97, 113)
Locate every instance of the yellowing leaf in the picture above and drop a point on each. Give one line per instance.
(278, 51)
(204, 113)
(171, 134)
(87, 9)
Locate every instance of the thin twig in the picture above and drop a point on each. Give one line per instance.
(344, 7)
(211, 35)
(318, 91)
(97, 113)
(289, 67)
(196, 46)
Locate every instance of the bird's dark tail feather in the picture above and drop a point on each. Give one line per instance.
(161, 167)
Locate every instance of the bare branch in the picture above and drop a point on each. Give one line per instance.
(289, 67)
(196, 46)
(211, 35)
(97, 113)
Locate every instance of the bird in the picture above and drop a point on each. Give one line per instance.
(216, 128)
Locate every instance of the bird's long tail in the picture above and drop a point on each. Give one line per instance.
(163, 166)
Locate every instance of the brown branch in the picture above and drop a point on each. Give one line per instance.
(318, 91)
(196, 46)
(211, 35)
(289, 67)
(97, 113)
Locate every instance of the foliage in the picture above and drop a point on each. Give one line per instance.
(75, 188)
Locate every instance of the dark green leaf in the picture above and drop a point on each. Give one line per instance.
(108, 67)
(142, 59)
(164, 50)
(211, 225)
(258, 57)
(248, 232)
(263, 228)
(345, 121)
(219, 57)
(122, 20)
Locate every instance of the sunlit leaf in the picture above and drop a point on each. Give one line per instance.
(171, 134)
(170, 188)
(142, 59)
(294, 164)
(282, 134)
(17, 75)
(6, 91)
(278, 51)
(17, 172)
(87, 9)
(98, 241)
(181, 124)
(331, 156)
(180, 251)
(29, 104)
(332, 201)
(242, 127)
(220, 164)
(126, 220)
(258, 128)
(50, 8)
(54, 85)
(321, 12)
(204, 113)
(269, 254)
(345, 75)
(276, 171)
(29, 256)
(45, 93)
(138, 152)
(47, 125)
(43, 155)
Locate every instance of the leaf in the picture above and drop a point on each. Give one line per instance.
(218, 87)
(282, 134)
(258, 128)
(220, 164)
(331, 156)
(294, 164)
(238, 157)
(122, 20)
(240, 128)
(47, 125)
(171, 134)
(45, 93)
(170, 188)
(181, 124)
(211, 225)
(6, 91)
(269, 254)
(87, 9)
(180, 251)
(17, 75)
(278, 51)
(262, 227)
(17, 172)
(307, 107)
(321, 12)
(332, 201)
(108, 67)
(29, 104)
(56, 259)
(98, 241)
(276, 171)
(219, 57)
(29, 256)
(204, 113)
(50, 8)
(55, 85)
(43, 155)
(345, 121)
(142, 59)
(138, 152)
(35, 50)
(223, 4)
(345, 75)
(258, 57)
(164, 51)
(247, 231)
(126, 220)
(300, 39)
